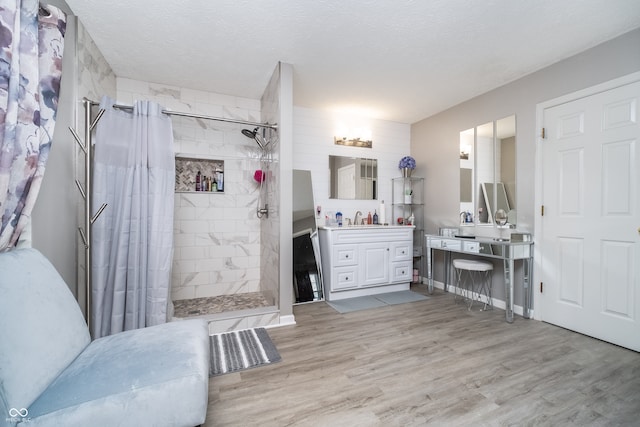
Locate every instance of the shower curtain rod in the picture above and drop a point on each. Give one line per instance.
(197, 116)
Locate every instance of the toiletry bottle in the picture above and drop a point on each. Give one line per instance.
(412, 219)
(369, 218)
(339, 218)
(214, 186)
(220, 181)
(375, 217)
(382, 216)
(198, 178)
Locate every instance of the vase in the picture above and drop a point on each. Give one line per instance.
(406, 172)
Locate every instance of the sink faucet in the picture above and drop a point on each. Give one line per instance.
(358, 218)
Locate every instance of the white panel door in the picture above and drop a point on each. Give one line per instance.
(347, 182)
(591, 223)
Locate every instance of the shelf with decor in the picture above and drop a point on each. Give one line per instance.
(199, 175)
(407, 204)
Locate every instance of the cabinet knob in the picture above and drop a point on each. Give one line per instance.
(346, 256)
(346, 278)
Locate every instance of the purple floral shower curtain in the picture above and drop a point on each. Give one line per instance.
(31, 47)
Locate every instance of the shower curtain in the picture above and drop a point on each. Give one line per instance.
(31, 47)
(132, 240)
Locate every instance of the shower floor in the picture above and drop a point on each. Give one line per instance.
(219, 304)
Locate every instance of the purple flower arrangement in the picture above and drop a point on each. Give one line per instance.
(407, 162)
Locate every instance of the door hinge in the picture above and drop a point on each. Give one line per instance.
(540, 287)
(543, 133)
(542, 210)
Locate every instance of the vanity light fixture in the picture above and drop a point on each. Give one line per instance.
(353, 142)
(353, 136)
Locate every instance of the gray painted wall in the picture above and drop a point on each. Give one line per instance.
(435, 140)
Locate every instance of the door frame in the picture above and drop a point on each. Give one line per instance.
(538, 247)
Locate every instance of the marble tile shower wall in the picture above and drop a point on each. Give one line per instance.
(216, 236)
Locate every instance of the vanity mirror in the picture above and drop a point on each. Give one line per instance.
(488, 172)
(353, 178)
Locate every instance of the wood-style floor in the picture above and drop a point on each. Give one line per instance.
(430, 363)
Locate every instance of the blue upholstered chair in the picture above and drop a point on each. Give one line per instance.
(51, 374)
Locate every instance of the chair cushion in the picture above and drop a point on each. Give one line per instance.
(42, 329)
(472, 265)
(156, 376)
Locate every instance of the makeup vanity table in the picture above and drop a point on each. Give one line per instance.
(507, 250)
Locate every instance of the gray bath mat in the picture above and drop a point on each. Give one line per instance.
(355, 304)
(373, 301)
(401, 297)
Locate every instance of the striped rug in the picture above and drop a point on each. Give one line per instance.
(238, 350)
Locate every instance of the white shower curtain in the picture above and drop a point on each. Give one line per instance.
(132, 240)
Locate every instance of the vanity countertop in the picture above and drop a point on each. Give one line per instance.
(364, 227)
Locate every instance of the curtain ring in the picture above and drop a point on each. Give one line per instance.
(43, 11)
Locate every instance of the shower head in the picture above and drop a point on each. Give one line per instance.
(253, 134)
(250, 133)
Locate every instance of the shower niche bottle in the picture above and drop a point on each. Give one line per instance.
(220, 180)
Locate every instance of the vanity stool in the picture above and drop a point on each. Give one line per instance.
(477, 278)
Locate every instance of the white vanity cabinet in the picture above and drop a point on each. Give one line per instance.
(366, 260)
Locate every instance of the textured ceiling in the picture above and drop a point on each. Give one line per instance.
(397, 60)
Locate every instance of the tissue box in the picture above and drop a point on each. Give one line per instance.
(448, 231)
(520, 237)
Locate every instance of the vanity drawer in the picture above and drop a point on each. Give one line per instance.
(344, 278)
(401, 251)
(345, 255)
(452, 244)
(401, 272)
(471, 247)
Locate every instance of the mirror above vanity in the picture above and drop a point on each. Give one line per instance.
(353, 178)
(488, 172)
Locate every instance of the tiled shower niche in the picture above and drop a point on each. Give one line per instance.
(187, 168)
